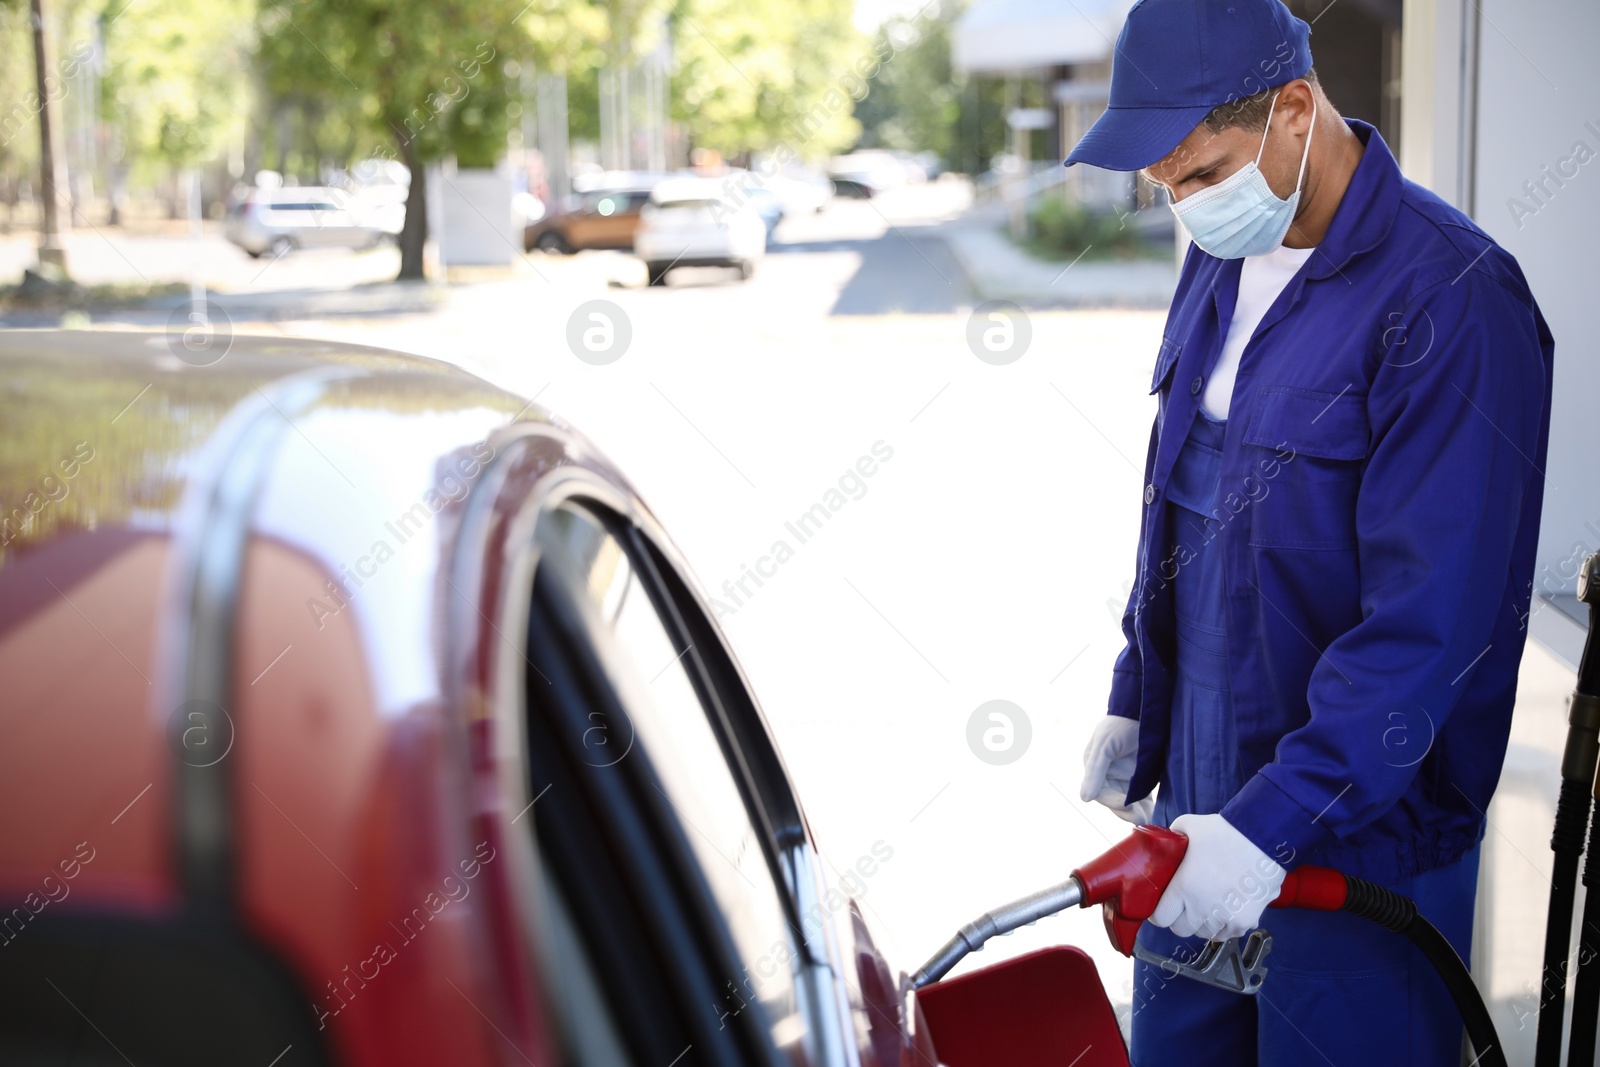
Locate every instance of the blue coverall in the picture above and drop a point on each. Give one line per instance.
(1331, 607)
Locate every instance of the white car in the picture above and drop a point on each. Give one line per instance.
(697, 222)
(279, 220)
(866, 173)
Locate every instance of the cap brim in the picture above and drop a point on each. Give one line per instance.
(1132, 138)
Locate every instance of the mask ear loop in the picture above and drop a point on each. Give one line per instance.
(1307, 153)
(1273, 107)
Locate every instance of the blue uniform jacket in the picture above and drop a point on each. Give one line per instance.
(1381, 484)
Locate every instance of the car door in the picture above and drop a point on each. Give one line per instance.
(628, 217)
(586, 228)
(618, 214)
(336, 222)
(668, 788)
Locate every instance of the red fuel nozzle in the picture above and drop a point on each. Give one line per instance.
(1129, 879)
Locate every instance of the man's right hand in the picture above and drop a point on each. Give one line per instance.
(1108, 765)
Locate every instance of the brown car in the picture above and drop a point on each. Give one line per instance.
(604, 218)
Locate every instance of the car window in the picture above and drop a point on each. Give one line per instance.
(701, 205)
(673, 730)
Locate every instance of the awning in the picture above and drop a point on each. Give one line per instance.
(997, 36)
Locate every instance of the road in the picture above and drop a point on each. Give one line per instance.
(985, 559)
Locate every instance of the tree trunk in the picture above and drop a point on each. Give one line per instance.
(414, 231)
(52, 162)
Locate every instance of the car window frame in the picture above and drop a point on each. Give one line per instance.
(729, 960)
(819, 961)
(658, 951)
(537, 469)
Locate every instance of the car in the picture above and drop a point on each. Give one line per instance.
(768, 205)
(864, 174)
(601, 218)
(699, 222)
(361, 713)
(278, 221)
(800, 192)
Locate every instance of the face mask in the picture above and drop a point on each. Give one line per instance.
(1241, 215)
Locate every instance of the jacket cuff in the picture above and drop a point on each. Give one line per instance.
(1275, 822)
(1124, 694)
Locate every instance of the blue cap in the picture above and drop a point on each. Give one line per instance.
(1177, 60)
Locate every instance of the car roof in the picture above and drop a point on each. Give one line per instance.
(691, 188)
(294, 193)
(149, 405)
(616, 180)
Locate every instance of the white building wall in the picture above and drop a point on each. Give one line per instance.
(1501, 116)
(1495, 92)
(1537, 191)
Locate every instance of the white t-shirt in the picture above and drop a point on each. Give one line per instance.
(1261, 279)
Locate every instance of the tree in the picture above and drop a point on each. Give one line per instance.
(919, 102)
(19, 141)
(428, 75)
(34, 96)
(176, 83)
(52, 164)
(757, 75)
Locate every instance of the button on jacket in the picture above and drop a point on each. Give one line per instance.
(1382, 476)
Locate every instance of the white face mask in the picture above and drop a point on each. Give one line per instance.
(1241, 215)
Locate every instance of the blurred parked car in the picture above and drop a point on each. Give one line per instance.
(603, 218)
(866, 173)
(416, 745)
(800, 193)
(776, 197)
(766, 203)
(694, 222)
(281, 220)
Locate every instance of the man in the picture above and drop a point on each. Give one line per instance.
(1341, 503)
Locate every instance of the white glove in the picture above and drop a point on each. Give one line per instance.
(1223, 884)
(1108, 768)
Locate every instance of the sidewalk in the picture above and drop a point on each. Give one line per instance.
(999, 270)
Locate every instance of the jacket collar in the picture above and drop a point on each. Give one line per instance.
(1367, 210)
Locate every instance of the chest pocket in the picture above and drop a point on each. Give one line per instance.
(1308, 448)
(1166, 362)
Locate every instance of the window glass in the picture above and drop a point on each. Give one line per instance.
(670, 726)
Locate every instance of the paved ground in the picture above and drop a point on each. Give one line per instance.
(986, 559)
(976, 564)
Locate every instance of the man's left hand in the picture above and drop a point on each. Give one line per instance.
(1223, 884)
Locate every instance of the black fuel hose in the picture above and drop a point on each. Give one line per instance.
(1586, 988)
(1566, 841)
(1572, 812)
(1395, 912)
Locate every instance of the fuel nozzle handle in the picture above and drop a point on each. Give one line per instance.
(1128, 879)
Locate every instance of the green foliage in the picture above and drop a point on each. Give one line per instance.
(758, 74)
(395, 71)
(19, 132)
(919, 102)
(176, 83)
(914, 103)
(1059, 228)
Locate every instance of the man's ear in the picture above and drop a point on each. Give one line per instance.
(1299, 99)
